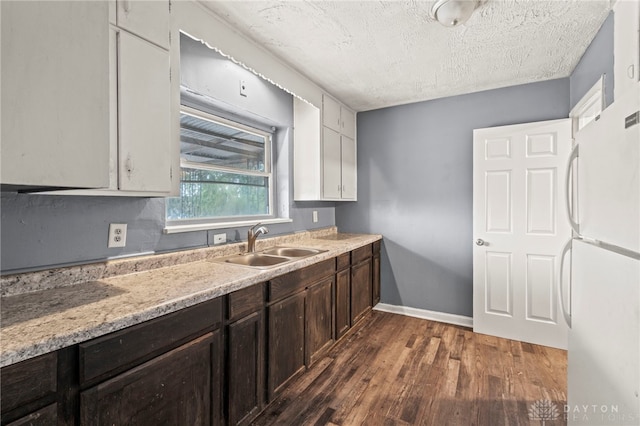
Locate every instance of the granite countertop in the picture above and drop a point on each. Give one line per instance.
(45, 318)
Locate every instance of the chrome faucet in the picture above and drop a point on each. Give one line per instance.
(254, 232)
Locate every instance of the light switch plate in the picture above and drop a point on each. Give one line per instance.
(315, 216)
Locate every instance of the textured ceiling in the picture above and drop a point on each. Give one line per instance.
(373, 54)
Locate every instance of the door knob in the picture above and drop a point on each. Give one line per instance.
(479, 242)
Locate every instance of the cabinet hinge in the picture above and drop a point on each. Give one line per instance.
(169, 6)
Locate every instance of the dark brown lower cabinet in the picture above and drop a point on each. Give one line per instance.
(319, 318)
(171, 370)
(245, 369)
(360, 289)
(343, 302)
(375, 279)
(286, 341)
(174, 388)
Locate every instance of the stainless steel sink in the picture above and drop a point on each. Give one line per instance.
(258, 260)
(271, 257)
(292, 251)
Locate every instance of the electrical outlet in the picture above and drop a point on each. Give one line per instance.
(219, 239)
(315, 216)
(117, 235)
(243, 88)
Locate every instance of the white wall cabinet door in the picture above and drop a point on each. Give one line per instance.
(55, 94)
(626, 46)
(147, 19)
(144, 114)
(331, 164)
(348, 122)
(349, 168)
(331, 113)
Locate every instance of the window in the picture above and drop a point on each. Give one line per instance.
(225, 171)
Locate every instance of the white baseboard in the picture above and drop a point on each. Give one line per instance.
(426, 314)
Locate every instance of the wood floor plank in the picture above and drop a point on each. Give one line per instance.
(397, 371)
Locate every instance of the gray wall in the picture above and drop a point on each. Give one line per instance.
(597, 60)
(415, 178)
(41, 231)
(415, 187)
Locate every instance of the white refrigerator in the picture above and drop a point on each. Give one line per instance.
(600, 292)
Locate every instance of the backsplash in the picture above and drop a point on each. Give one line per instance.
(60, 277)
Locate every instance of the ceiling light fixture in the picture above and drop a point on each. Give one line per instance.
(451, 13)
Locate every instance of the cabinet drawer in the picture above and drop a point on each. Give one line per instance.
(287, 284)
(360, 254)
(28, 381)
(116, 352)
(243, 302)
(343, 261)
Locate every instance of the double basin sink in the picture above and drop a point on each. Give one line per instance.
(271, 257)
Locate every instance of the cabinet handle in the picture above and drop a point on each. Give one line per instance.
(126, 5)
(630, 71)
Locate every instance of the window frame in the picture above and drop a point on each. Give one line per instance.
(192, 224)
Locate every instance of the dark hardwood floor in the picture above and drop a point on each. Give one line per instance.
(398, 370)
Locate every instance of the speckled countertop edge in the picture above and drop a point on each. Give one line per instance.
(57, 316)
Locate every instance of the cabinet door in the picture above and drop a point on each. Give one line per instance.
(43, 417)
(331, 113)
(349, 167)
(375, 272)
(174, 388)
(343, 302)
(286, 341)
(348, 122)
(245, 369)
(626, 46)
(360, 290)
(144, 116)
(319, 317)
(55, 94)
(147, 19)
(331, 164)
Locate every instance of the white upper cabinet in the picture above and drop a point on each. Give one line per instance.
(339, 178)
(128, 140)
(144, 116)
(324, 152)
(146, 19)
(626, 46)
(55, 95)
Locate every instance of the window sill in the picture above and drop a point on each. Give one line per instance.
(174, 229)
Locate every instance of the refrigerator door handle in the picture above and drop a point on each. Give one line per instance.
(565, 313)
(567, 181)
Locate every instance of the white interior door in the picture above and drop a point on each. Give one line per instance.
(520, 228)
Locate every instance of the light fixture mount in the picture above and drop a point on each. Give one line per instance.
(452, 13)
